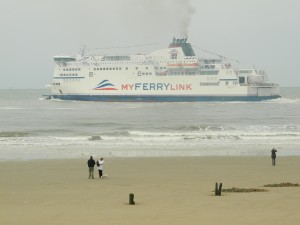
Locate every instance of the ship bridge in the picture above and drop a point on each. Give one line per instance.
(64, 59)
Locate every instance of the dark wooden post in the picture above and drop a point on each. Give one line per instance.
(131, 199)
(218, 191)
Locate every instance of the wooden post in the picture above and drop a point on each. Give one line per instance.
(131, 199)
(218, 191)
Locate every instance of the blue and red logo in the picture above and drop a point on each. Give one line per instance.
(105, 85)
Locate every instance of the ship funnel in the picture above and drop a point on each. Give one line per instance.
(182, 42)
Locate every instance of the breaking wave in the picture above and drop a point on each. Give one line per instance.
(13, 134)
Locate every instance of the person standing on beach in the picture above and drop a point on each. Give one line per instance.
(273, 156)
(100, 167)
(91, 163)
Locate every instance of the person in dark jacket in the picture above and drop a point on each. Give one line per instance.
(273, 156)
(91, 163)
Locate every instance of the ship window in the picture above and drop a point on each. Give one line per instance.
(146, 68)
(126, 68)
(136, 68)
(120, 68)
(174, 56)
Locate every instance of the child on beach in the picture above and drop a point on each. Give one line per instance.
(100, 167)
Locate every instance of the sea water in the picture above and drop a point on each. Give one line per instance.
(32, 127)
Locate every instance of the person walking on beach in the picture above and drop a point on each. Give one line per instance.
(91, 163)
(273, 156)
(100, 167)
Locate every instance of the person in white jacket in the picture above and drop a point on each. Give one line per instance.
(100, 167)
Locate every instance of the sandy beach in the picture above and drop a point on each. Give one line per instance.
(167, 191)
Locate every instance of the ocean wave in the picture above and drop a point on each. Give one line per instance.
(212, 137)
(56, 100)
(51, 131)
(99, 124)
(12, 108)
(116, 134)
(269, 101)
(283, 101)
(8, 134)
(201, 128)
(208, 132)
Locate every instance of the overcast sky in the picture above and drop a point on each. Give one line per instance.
(260, 33)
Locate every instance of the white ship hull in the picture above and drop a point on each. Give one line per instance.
(156, 77)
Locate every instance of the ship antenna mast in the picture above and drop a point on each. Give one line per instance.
(82, 50)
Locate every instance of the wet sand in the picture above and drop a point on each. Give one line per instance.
(167, 191)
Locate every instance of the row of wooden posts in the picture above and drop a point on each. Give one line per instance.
(218, 191)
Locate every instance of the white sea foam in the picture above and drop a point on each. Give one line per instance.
(284, 101)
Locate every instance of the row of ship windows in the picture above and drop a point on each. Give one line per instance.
(182, 73)
(146, 73)
(71, 80)
(65, 81)
(110, 68)
(141, 73)
(120, 68)
(72, 69)
(68, 74)
(209, 72)
(208, 67)
(194, 73)
(131, 62)
(234, 83)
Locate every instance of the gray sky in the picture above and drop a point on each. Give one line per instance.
(260, 33)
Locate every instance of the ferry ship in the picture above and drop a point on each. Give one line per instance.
(173, 74)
